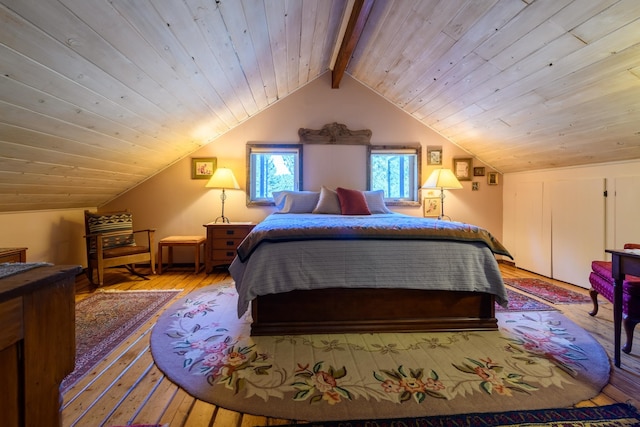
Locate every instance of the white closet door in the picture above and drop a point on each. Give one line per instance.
(578, 228)
(626, 203)
(532, 241)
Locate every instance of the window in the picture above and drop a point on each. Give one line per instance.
(273, 167)
(396, 170)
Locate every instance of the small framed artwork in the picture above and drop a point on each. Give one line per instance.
(203, 167)
(462, 169)
(478, 171)
(475, 186)
(492, 178)
(434, 154)
(432, 207)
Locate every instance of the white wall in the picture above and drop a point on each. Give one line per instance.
(619, 226)
(53, 236)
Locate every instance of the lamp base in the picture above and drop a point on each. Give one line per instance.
(222, 219)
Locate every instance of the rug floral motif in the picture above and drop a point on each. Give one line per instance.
(537, 360)
(105, 319)
(548, 291)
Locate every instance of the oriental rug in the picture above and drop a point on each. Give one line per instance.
(617, 415)
(537, 359)
(547, 291)
(105, 319)
(520, 302)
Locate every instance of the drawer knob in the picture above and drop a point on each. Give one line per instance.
(230, 232)
(229, 242)
(229, 253)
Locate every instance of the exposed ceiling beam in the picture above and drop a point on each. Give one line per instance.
(358, 18)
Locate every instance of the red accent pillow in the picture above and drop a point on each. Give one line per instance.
(352, 202)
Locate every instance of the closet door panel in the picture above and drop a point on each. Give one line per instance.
(578, 228)
(532, 243)
(626, 203)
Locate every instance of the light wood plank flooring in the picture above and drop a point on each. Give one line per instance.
(127, 388)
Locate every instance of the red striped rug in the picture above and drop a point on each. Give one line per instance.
(547, 291)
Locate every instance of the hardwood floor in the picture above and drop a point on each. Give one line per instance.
(127, 388)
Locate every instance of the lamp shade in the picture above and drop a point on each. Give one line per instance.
(223, 178)
(443, 179)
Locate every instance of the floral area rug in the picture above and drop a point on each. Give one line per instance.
(520, 302)
(547, 291)
(107, 318)
(538, 359)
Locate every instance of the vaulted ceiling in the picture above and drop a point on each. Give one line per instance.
(96, 96)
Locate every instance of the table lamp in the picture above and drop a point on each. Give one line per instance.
(223, 178)
(444, 179)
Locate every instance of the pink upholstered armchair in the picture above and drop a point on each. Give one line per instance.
(602, 283)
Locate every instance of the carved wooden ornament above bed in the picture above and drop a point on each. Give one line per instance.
(335, 133)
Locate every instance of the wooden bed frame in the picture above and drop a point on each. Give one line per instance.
(339, 310)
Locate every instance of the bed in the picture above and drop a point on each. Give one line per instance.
(307, 273)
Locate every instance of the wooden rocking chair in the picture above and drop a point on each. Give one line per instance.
(110, 240)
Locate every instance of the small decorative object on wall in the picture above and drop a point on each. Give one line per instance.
(478, 171)
(203, 167)
(434, 154)
(432, 207)
(492, 178)
(335, 133)
(462, 169)
(475, 186)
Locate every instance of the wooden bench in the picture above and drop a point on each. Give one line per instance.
(170, 242)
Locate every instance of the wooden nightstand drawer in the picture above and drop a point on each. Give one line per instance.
(226, 243)
(222, 232)
(222, 241)
(222, 256)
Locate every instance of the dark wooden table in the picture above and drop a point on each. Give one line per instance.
(623, 262)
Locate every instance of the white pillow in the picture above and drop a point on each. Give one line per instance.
(375, 200)
(328, 202)
(296, 201)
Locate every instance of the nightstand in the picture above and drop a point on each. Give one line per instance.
(222, 241)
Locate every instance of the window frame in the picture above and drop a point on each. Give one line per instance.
(414, 149)
(271, 149)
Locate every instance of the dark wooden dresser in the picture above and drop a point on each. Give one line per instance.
(37, 343)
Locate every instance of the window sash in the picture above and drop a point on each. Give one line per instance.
(263, 168)
(402, 173)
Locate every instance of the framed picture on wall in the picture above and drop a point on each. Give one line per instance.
(492, 178)
(478, 171)
(434, 154)
(203, 167)
(462, 169)
(432, 207)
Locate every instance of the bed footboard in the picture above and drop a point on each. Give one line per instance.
(337, 310)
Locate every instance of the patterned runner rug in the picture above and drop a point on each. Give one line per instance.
(521, 302)
(617, 415)
(107, 318)
(547, 291)
(538, 359)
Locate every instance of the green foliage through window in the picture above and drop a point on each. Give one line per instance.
(272, 168)
(396, 171)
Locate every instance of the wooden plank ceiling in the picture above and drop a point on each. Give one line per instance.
(96, 96)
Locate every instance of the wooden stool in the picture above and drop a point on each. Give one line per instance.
(171, 241)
